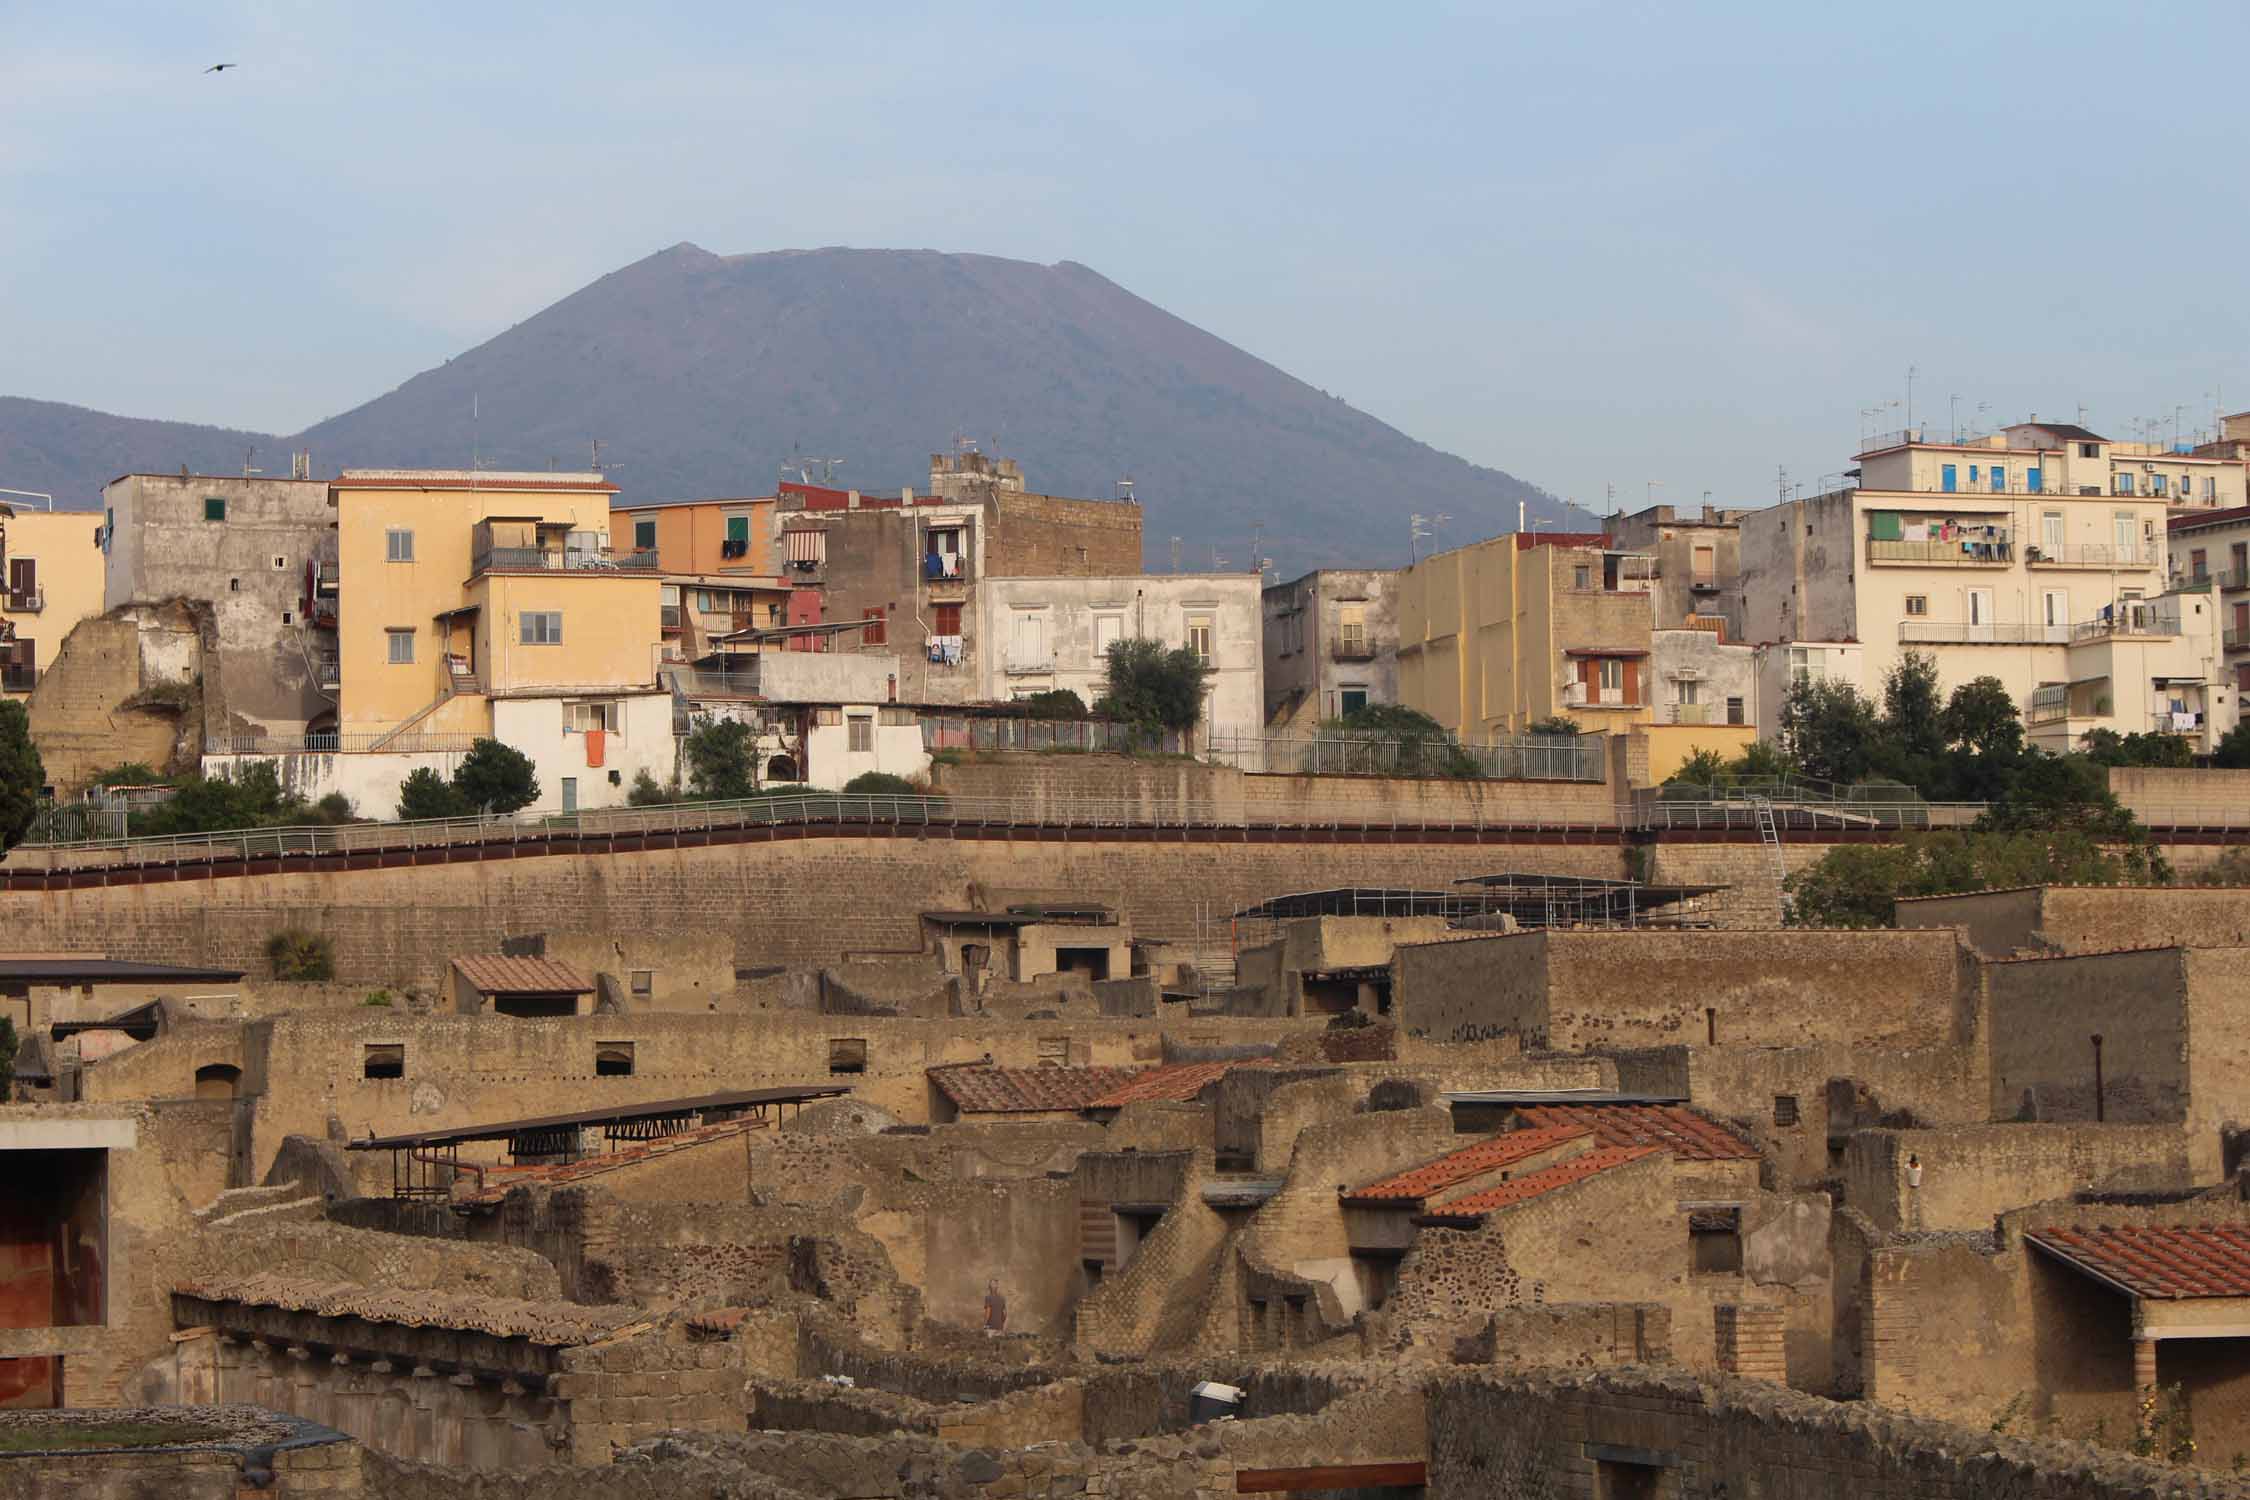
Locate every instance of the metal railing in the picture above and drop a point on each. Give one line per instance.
(542, 560)
(1966, 552)
(1981, 633)
(2090, 555)
(1345, 650)
(356, 742)
(1091, 735)
(946, 567)
(1529, 757)
(1649, 813)
(2225, 578)
(1019, 659)
(2238, 639)
(2130, 622)
(26, 602)
(18, 679)
(701, 682)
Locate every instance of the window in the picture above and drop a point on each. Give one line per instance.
(398, 545)
(281, 565)
(1351, 629)
(214, 507)
(704, 603)
(1917, 604)
(847, 1054)
(862, 729)
(738, 529)
(542, 627)
(875, 632)
(1785, 1109)
(1199, 635)
(1999, 479)
(2124, 484)
(900, 717)
(1734, 711)
(642, 983)
(383, 1060)
(1108, 631)
(234, 585)
(1705, 563)
(2089, 450)
(2156, 485)
(1613, 675)
(585, 717)
(2198, 567)
(613, 1059)
(1948, 480)
(1054, 1052)
(1351, 700)
(402, 647)
(644, 536)
(2051, 533)
(1582, 577)
(2035, 480)
(945, 619)
(1689, 689)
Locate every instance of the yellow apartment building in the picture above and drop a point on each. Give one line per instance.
(51, 570)
(461, 589)
(717, 562)
(1498, 635)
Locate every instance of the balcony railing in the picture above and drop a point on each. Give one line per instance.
(1351, 650)
(1028, 659)
(24, 602)
(1963, 552)
(2131, 622)
(544, 560)
(1980, 633)
(328, 669)
(2229, 578)
(1708, 583)
(2238, 639)
(946, 567)
(1690, 713)
(2091, 555)
(17, 679)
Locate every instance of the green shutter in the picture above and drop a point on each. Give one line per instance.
(644, 536)
(738, 528)
(1883, 525)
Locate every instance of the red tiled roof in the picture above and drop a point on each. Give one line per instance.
(982, 1088)
(1176, 1083)
(499, 974)
(1546, 1180)
(1675, 1127)
(2158, 1260)
(497, 1180)
(1493, 1152)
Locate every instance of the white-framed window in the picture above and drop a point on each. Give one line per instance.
(862, 730)
(1351, 627)
(1108, 631)
(604, 716)
(1807, 665)
(1199, 635)
(398, 545)
(1690, 690)
(1613, 675)
(401, 646)
(541, 627)
(1917, 604)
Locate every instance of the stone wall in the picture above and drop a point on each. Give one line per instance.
(1603, 1433)
(1972, 1173)
(325, 1465)
(2089, 918)
(1604, 990)
(797, 902)
(2169, 795)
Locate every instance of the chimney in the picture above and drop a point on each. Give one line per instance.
(851, 500)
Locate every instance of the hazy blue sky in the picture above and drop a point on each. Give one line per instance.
(1590, 244)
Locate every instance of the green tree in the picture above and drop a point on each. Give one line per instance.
(1153, 688)
(1852, 885)
(1830, 730)
(1054, 703)
(8, 1044)
(722, 760)
(1424, 748)
(2232, 753)
(1704, 769)
(496, 778)
(125, 773)
(1857, 885)
(1763, 761)
(252, 796)
(22, 777)
(1913, 718)
(2106, 747)
(1981, 718)
(426, 794)
(881, 784)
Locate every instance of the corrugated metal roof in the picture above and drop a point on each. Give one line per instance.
(503, 974)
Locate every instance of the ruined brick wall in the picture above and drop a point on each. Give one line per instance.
(2044, 1014)
(1555, 1434)
(1997, 923)
(1578, 990)
(2091, 918)
(628, 1389)
(330, 1467)
(2218, 1044)
(1563, 1335)
(1749, 897)
(1049, 536)
(1971, 1173)
(1158, 1300)
(797, 902)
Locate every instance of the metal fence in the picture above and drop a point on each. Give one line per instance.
(1530, 757)
(357, 742)
(1648, 814)
(1090, 735)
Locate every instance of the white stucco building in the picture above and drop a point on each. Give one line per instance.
(1051, 633)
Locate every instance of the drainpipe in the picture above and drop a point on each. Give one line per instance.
(2098, 1109)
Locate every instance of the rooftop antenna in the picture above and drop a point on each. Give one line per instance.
(1911, 372)
(476, 457)
(828, 468)
(1418, 530)
(247, 454)
(595, 444)
(1125, 488)
(1781, 483)
(1175, 554)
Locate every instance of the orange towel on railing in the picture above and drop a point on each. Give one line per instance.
(594, 738)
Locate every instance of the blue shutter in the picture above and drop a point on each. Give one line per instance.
(1948, 480)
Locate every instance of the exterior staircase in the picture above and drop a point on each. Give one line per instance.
(276, 1203)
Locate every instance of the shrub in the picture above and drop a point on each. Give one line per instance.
(881, 784)
(1153, 688)
(297, 954)
(646, 793)
(125, 773)
(335, 808)
(379, 998)
(22, 777)
(496, 778)
(722, 760)
(425, 794)
(1055, 703)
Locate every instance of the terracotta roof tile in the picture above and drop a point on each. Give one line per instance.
(2158, 1260)
(499, 974)
(982, 1088)
(1675, 1127)
(1488, 1155)
(1176, 1083)
(557, 1324)
(1546, 1180)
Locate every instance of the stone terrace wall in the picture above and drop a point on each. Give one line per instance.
(1604, 990)
(796, 902)
(2160, 795)
(1971, 1174)
(2044, 1014)
(1546, 1434)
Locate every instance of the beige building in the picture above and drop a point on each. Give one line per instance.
(1502, 633)
(1698, 560)
(2210, 554)
(51, 569)
(2036, 557)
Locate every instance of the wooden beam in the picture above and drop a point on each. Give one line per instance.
(1330, 1477)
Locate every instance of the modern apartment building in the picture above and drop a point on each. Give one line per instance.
(51, 569)
(2036, 556)
(1331, 645)
(717, 558)
(2210, 554)
(1055, 633)
(1698, 563)
(1498, 635)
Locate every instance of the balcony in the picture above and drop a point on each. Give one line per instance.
(1021, 660)
(668, 618)
(2090, 556)
(550, 560)
(24, 602)
(1998, 551)
(1708, 583)
(1691, 713)
(2230, 578)
(2128, 622)
(2238, 639)
(946, 567)
(17, 678)
(1351, 649)
(328, 670)
(1980, 633)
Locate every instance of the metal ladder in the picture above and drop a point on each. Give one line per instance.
(1769, 834)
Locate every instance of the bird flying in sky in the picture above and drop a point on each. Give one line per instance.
(219, 67)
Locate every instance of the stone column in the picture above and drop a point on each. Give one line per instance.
(304, 1396)
(228, 1375)
(422, 1422)
(352, 1401)
(456, 1416)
